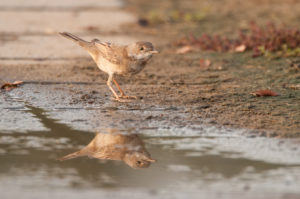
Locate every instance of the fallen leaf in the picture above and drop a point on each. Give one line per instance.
(9, 86)
(204, 63)
(240, 48)
(184, 50)
(264, 93)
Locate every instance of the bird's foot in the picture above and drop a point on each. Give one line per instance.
(121, 100)
(127, 97)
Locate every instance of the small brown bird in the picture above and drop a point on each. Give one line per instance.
(116, 145)
(117, 59)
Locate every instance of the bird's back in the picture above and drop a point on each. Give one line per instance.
(113, 146)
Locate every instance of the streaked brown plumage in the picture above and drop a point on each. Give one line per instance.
(117, 59)
(116, 145)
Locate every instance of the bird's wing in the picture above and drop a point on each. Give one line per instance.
(110, 52)
(109, 152)
(103, 156)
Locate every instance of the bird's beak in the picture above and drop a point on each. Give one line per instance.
(154, 51)
(151, 160)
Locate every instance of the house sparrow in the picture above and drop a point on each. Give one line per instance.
(117, 59)
(116, 145)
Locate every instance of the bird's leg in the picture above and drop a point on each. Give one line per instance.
(122, 92)
(110, 77)
(118, 86)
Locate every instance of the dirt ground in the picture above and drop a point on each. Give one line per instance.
(218, 95)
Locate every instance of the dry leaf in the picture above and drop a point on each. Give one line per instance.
(264, 93)
(204, 63)
(9, 86)
(184, 50)
(256, 39)
(240, 48)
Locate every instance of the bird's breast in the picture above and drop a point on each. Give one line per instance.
(136, 67)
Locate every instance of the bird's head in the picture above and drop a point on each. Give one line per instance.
(138, 160)
(141, 50)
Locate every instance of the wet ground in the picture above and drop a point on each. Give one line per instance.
(202, 126)
(192, 160)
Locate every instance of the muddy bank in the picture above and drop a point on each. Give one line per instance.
(218, 95)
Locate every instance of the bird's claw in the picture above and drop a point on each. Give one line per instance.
(127, 97)
(121, 100)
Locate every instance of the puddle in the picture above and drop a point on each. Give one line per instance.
(193, 161)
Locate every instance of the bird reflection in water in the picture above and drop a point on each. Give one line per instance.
(116, 145)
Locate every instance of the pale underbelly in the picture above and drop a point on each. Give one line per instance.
(110, 68)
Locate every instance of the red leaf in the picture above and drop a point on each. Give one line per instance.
(264, 93)
(9, 86)
(204, 63)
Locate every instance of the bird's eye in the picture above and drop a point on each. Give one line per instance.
(142, 48)
(138, 162)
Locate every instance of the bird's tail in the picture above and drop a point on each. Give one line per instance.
(71, 156)
(81, 42)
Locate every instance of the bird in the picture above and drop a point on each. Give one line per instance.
(116, 145)
(116, 59)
